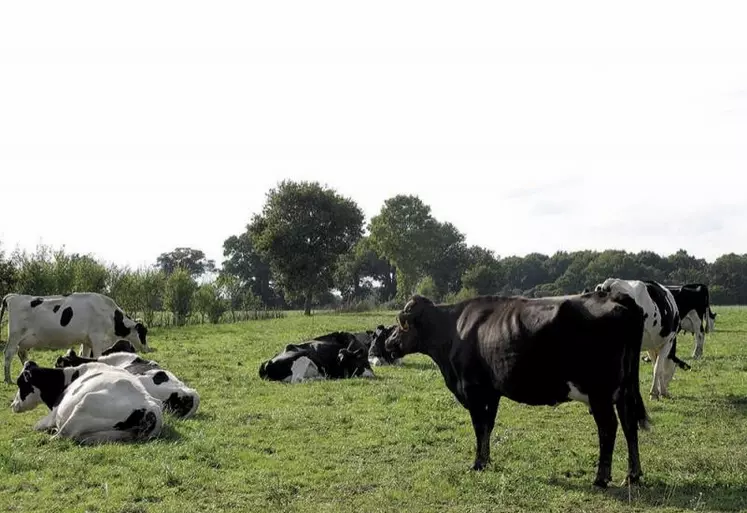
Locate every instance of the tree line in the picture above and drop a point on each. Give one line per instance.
(309, 247)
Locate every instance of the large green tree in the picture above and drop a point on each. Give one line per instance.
(302, 231)
(403, 233)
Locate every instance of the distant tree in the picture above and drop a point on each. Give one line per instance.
(402, 233)
(244, 262)
(447, 259)
(483, 279)
(192, 260)
(302, 231)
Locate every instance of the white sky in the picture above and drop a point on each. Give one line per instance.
(127, 129)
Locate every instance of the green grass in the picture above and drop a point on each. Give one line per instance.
(397, 443)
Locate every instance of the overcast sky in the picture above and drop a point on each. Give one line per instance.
(131, 128)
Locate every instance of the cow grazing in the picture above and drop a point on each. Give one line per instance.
(91, 403)
(337, 355)
(660, 332)
(58, 322)
(693, 302)
(177, 398)
(377, 353)
(525, 349)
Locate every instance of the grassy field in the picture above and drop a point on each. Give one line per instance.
(397, 443)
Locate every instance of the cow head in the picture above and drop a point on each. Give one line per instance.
(70, 359)
(377, 353)
(354, 362)
(405, 338)
(29, 394)
(132, 330)
(142, 333)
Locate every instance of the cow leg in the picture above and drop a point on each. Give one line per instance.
(604, 416)
(654, 392)
(11, 348)
(699, 341)
(23, 355)
(483, 407)
(626, 412)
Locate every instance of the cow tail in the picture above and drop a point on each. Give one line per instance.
(631, 361)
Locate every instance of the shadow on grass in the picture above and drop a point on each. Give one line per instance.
(730, 331)
(655, 493)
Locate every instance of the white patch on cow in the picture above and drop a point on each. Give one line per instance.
(574, 394)
(304, 369)
(376, 361)
(368, 373)
(30, 402)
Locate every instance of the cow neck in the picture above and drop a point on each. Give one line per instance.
(439, 339)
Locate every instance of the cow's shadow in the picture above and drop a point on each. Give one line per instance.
(654, 493)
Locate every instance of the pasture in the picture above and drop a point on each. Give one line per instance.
(399, 442)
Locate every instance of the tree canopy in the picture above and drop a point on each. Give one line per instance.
(302, 231)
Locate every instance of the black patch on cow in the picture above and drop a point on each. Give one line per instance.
(50, 382)
(75, 375)
(120, 346)
(160, 377)
(655, 323)
(56, 308)
(65, 295)
(132, 422)
(179, 406)
(120, 329)
(66, 317)
(36, 302)
(645, 316)
(670, 318)
(142, 333)
(138, 366)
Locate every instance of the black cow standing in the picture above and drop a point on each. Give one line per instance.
(527, 350)
(693, 303)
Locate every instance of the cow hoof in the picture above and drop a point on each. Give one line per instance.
(600, 483)
(631, 479)
(479, 466)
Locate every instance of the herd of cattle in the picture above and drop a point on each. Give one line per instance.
(537, 351)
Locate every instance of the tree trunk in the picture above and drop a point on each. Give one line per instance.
(307, 304)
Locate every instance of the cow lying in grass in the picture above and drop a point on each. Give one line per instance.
(337, 355)
(90, 403)
(177, 398)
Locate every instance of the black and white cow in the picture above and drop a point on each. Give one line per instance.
(91, 403)
(525, 349)
(662, 322)
(693, 302)
(377, 353)
(337, 355)
(177, 398)
(58, 322)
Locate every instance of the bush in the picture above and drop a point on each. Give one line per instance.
(209, 302)
(179, 296)
(464, 294)
(427, 287)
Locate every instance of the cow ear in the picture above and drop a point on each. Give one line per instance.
(30, 364)
(70, 352)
